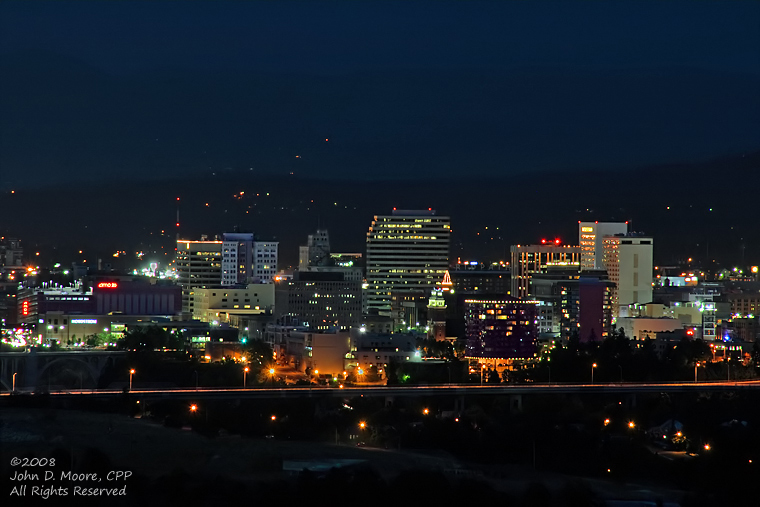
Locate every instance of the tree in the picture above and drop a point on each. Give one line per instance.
(493, 376)
(150, 339)
(259, 352)
(371, 375)
(392, 373)
(100, 339)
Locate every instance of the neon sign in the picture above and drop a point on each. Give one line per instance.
(107, 285)
(25, 308)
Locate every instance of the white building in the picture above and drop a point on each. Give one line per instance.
(265, 261)
(406, 251)
(255, 298)
(628, 261)
(590, 239)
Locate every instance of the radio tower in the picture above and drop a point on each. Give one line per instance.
(177, 220)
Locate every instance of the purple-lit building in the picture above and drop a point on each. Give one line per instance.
(501, 328)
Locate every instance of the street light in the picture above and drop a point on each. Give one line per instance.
(592, 372)
(271, 372)
(362, 425)
(631, 425)
(696, 365)
(131, 372)
(245, 373)
(193, 408)
(426, 411)
(482, 369)
(13, 390)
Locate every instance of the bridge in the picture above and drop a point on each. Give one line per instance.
(30, 367)
(402, 391)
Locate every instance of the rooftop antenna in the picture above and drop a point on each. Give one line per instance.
(177, 220)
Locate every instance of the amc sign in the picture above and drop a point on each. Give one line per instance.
(107, 285)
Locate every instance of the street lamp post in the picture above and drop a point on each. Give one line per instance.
(271, 372)
(593, 366)
(482, 369)
(13, 390)
(245, 373)
(131, 372)
(696, 365)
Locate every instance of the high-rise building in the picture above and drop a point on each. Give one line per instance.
(406, 251)
(237, 258)
(316, 252)
(199, 264)
(527, 260)
(628, 261)
(501, 328)
(590, 239)
(265, 261)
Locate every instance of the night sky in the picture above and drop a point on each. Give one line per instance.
(99, 90)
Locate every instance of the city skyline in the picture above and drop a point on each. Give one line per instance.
(445, 252)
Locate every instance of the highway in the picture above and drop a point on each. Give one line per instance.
(395, 391)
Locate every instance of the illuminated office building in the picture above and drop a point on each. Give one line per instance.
(237, 258)
(590, 239)
(406, 251)
(199, 264)
(527, 260)
(628, 261)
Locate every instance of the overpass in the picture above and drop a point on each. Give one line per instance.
(456, 390)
